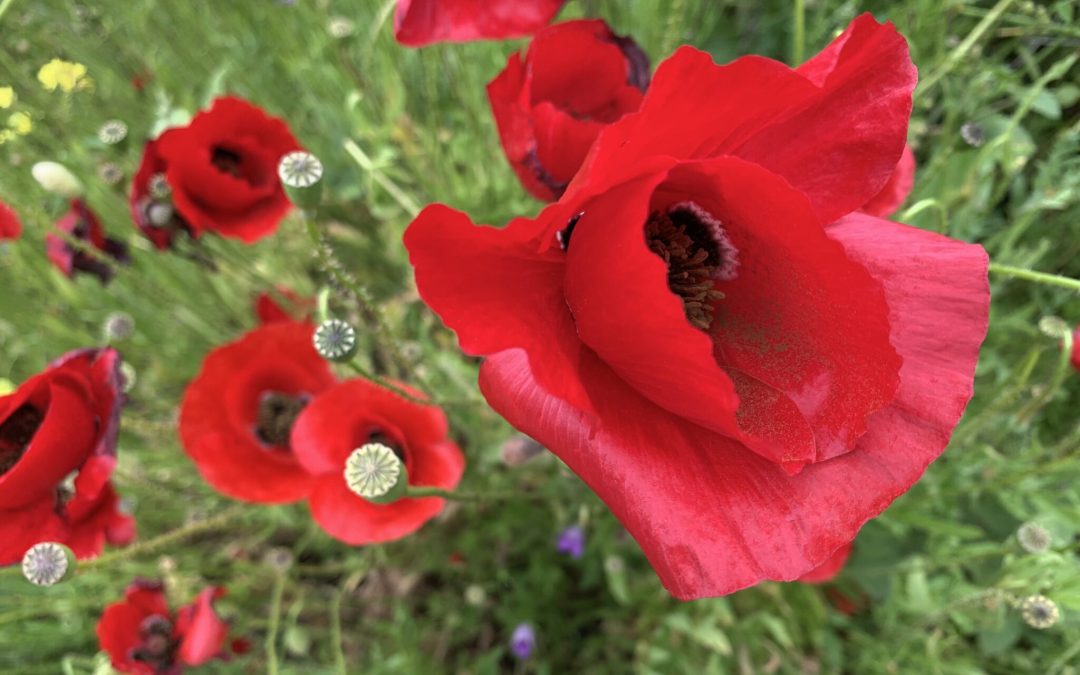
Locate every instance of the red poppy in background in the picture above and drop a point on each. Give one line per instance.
(151, 201)
(350, 415)
(221, 171)
(705, 329)
(10, 226)
(422, 22)
(58, 435)
(1075, 358)
(828, 570)
(83, 225)
(294, 307)
(576, 78)
(142, 636)
(896, 189)
(238, 412)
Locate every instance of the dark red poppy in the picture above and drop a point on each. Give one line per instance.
(896, 189)
(292, 306)
(238, 412)
(10, 226)
(703, 328)
(57, 452)
(142, 636)
(350, 415)
(82, 224)
(151, 201)
(828, 570)
(576, 78)
(422, 22)
(1075, 358)
(221, 170)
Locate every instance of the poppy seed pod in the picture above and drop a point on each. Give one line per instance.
(301, 174)
(375, 473)
(335, 340)
(47, 563)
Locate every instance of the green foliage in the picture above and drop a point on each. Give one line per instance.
(934, 582)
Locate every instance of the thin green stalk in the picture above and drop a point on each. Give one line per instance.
(360, 157)
(965, 47)
(275, 622)
(4, 7)
(335, 632)
(415, 491)
(798, 33)
(1037, 277)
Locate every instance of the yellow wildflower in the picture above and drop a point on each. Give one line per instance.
(6, 135)
(7, 97)
(20, 123)
(63, 74)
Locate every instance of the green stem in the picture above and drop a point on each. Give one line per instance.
(414, 491)
(1037, 277)
(798, 33)
(275, 622)
(335, 632)
(962, 50)
(4, 5)
(361, 158)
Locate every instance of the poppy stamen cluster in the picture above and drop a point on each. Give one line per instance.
(697, 252)
(157, 647)
(16, 433)
(276, 415)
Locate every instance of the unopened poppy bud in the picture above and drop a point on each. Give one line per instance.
(1039, 611)
(47, 563)
(55, 178)
(118, 326)
(301, 174)
(335, 340)
(375, 473)
(1053, 326)
(112, 132)
(1033, 538)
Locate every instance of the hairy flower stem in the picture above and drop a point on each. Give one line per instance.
(275, 622)
(798, 32)
(1037, 277)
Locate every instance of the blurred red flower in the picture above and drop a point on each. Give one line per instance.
(896, 189)
(1075, 358)
(705, 329)
(238, 412)
(142, 636)
(151, 201)
(350, 415)
(221, 172)
(10, 226)
(422, 22)
(59, 424)
(295, 308)
(83, 225)
(576, 78)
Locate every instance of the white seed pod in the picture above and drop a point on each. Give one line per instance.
(1033, 538)
(47, 563)
(335, 340)
(1053, 326)
(55, 178)
(112, 132)
(1039, 611)
(110, 173)
(118, 326)
(373, 471)
(340, 27)
(159, 214)
(158, 187)
(300, 169)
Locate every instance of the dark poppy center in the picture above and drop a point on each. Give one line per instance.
(276, 416)
(16, 432)
(226, 161)
(377, 435)
(156, 647)
(695, 248)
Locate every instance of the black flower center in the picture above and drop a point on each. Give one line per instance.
(16, 432)
(276, 416)
(226, 161)
(157, 648)
(693, 245)
(378, 436)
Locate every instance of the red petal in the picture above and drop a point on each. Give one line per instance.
(10, 226)
(423, 22)
(28, 525)
(1075, 358)
(202, 633)
(828, 570)
(713, 517)
(886, 202)
(119, 629)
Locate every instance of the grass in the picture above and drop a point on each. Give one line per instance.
(935, 578)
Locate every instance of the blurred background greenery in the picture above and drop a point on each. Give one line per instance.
(933, 585)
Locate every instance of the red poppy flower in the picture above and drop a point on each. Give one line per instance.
(142, 636)
(10, 226)
(828, 570)
(295, 307)
(83, 225)
(422, 22)
(896, 190)
(1075, 358)
(151, 200)
(346, 417)
(576, 78)
(237, 413)
(61, 423)
(743, 367)
(222, 170)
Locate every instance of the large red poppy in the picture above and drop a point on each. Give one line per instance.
(703, 327)
(83, 225)
(221, 170)
(346, 417)
(237, 413)
(10, 225)
(61, 423)
(576, 78)
(422, 22)
(142, 636)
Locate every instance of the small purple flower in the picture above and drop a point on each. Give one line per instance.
(572, 542)
(523, 641)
